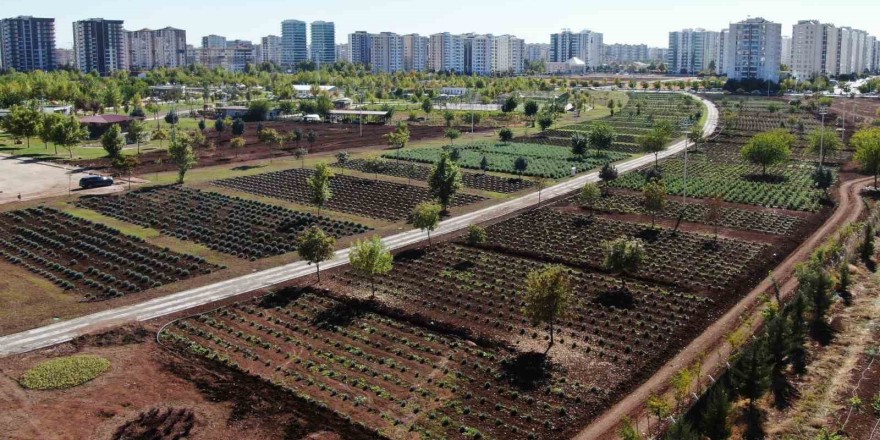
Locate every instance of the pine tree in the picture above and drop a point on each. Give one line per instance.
(714, 421)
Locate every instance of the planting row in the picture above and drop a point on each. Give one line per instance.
(692, 261)
(539, 160)
(768, 222)
(231, 225)
(370, 198)
(396, 379)
(90, 258)
(484, 182)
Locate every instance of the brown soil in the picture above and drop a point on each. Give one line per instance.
(331, 137)
(144, 376)
(712, 343)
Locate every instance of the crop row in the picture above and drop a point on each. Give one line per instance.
(232, 225)
(77, 254)
(480, 181)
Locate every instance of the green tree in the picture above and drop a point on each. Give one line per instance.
(531, 109)
(311, 138)
(47, 126)
(319, 185)
(476, 235)
(548, 296)
(172, 118)
(445, 180)
(768, 148)
(655, 199)
(112, 141)
(452, 134)
(623, 256)
(236, 144)
(866, 248)
(125, 164)
(510, 104)
(160, 134)
(153, 108)
(238, 127)
(627, 431)
(602, 136)
(715, 420)
(607, 174)
(520, 165)
(579, 144)
(399, 137)
(342, 159)
(22, 122)
(181, 154)
(506, 135)
(112, 97)
(426, 216)
(219, 127)
(681, 430)
(545, 120)
(750, 376)
(427, 105)
(824, 142)
(590, 194)
(448, 116)
(484, 164)
(659, 407)
(68, 133)
(867, 145)
(653, 142)
(370, 259)
(137, 132)
(315, 247)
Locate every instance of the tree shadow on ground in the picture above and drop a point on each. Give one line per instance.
(409, 255)
(281, 298)
(765, 178)
(247, 167)
(617, 297)
(340, 315)
(526, 370)
(822, 333)
(649, 235)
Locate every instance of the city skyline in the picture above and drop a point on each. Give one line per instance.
(639, 23)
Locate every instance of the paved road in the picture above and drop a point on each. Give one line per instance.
(33, 179)
(67, 330)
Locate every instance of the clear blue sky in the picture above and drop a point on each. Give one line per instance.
(630, 21)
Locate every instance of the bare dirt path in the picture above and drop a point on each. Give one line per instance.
(712, 342)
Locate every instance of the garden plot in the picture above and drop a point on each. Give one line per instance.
(766, 222)
(482, 291)
(483, 182)
(787, 186)
(543, 160)
(371, 198)
(691, 261)
(398, 380)
(90, 258)
(231, 225)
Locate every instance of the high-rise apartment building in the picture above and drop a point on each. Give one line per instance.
(446, 53)
(786, 51)
(626, 53)
(359, 47)
(148, 49)
(99, 45)
(386, 52)
(270, 50)
(586, 45)
(508, 54)
(415, 53)
(692, 51)
(323, 42)
(537, 52)
(293, 43)
(754, 50)
(810, 43)
(213, 42)
(27, 43)
(63, 58)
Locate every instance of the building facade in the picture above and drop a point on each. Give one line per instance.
(323, 42)
(270, 50)
(585, 45)
(446, 53)
(63, 58)
(149, 49)
(359, 47)
(626, 53)
(213, 42)
(692, 51)
(786, 51)
(27, 43)
(537, 52)
(508, 54)
(99, 45)
(293, 43)
(386, 52)
(754, 50)
(415, 53)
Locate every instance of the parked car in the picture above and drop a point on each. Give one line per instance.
(95, 182)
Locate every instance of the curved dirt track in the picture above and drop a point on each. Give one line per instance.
(712, 340)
